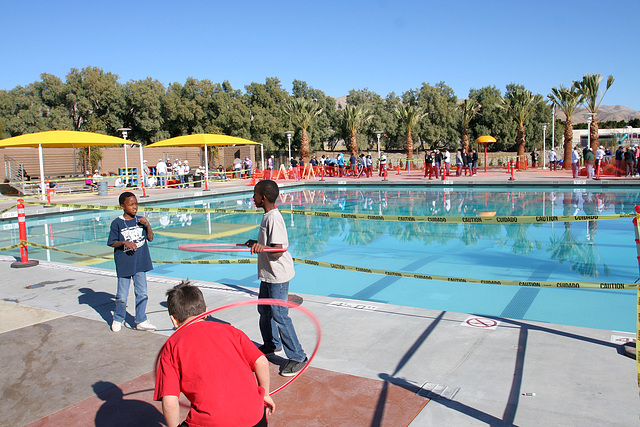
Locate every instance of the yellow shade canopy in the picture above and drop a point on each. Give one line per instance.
(202, 139)
(61, 139)
(486, 139)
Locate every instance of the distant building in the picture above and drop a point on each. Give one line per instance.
(609, 137)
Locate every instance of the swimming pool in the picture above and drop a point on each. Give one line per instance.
(590, 251)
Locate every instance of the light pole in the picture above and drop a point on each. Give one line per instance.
(378, 133)
(289, 133)
(125, 133)
(589, 117)
(553, 127)
(544, 145)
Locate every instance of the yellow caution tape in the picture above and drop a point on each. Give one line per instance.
(461, 219)
(8, 209)
(8, 248)
(539, 284)
(437, 219)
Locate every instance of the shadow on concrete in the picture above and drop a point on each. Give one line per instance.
(117, 411)
(102, 302)
(377, 418)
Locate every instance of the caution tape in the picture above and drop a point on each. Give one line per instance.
(538, 284)
(461, 219)
(436, 219)
(8, 209)
(8, 248)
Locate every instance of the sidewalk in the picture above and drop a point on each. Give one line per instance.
(377, 364)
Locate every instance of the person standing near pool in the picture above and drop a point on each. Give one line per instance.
(437, 161)
(275, 270)
(428, 164)
(129, 236)
(447, 162)
(575, 161)
(161, 171)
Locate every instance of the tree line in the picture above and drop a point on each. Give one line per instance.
(427, 117)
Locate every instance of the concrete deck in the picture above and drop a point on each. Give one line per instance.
(377, 365)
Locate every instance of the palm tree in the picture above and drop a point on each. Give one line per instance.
(355, 117)
(589, 88)
(409, 115)
(519, 104)
(302, 112)
(469, 108)
(567, 99)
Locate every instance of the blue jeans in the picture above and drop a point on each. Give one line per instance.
(140, 291)
(276, 326)
(162, 179)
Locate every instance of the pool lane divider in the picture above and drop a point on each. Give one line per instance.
(343, 267)
(402, 218)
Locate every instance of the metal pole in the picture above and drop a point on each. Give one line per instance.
(553, 128)
(262, 156)
(126, 166)
(42, 183)
(141, 174)
(206, 168)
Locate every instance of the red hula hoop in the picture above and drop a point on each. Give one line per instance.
(222, 247)
(263, 301)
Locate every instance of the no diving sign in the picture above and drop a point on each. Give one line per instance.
(480, 323)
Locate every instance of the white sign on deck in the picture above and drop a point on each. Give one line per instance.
(480, 323)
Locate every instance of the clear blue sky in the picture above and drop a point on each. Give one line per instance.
(335, 46)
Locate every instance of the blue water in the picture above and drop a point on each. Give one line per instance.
(581, 251)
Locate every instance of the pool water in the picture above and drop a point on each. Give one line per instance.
(592, 251)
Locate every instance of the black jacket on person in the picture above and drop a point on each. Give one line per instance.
(428, 159)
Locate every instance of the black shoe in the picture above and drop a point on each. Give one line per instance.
(267, 349)
(292, 368)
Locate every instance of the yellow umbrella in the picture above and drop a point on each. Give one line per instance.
(206, 140)
(59, 139)
(485, 139)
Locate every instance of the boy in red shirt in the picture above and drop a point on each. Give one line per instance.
(215, 365)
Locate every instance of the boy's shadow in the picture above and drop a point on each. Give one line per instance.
(117, 411)
(102, 302)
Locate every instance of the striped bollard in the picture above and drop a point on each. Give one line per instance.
(22, 232)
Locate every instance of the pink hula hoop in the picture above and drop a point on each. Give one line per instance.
(263, 301)
(222, 247)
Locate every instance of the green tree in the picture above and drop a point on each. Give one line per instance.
(302, 113)
(519, 103)
(143, 112)
(52, 92)
(323, 128)
(493, 120)
(589, 88)
(94, 100)
(355, 118)
(468, 110)
(567, 99)
(440, 124)
(409, 116)
(268, 121)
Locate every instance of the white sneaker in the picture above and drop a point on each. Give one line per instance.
(116, 326)
(145, 326)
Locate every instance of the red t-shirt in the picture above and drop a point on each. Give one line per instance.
(212, 364)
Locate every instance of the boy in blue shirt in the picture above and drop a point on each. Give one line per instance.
(128, 237)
